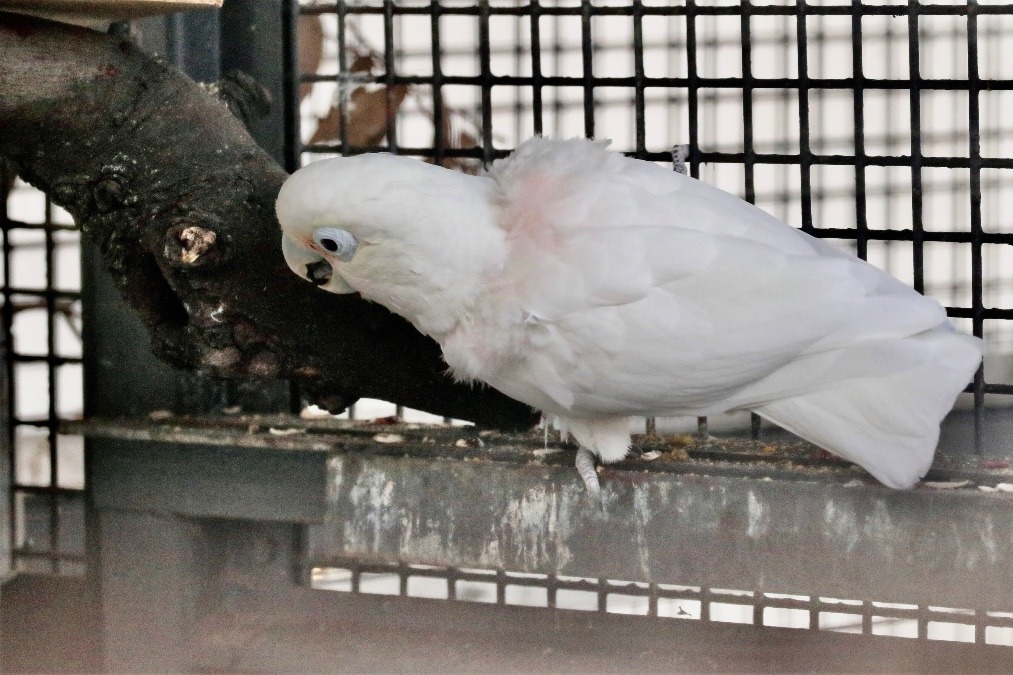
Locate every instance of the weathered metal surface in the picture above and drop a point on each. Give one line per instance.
(931, 547)
(207, 481)
(678, 454)
(715, 514)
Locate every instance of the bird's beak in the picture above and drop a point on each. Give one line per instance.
(311, 266)
(319, 272)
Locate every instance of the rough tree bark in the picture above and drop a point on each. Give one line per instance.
(180, 199)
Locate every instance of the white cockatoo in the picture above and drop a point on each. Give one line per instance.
(596, 287)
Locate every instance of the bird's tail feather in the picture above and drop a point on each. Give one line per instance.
(888, 425)
(607, 436)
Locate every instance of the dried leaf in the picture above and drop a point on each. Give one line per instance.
(311, 48)
(447, 127)
(328, 126)
(367, 116)
(465, 164)
(363, 63)
(460, 140)
(367, 121)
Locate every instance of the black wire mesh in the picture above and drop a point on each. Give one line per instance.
(665, 601)
(42, 330)
(880, 127)
(877, 126)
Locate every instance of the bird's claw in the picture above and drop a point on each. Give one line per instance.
(586, 469)
(680, 153)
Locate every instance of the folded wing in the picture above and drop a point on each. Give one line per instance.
(647, 292)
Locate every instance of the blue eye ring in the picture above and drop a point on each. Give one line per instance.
(341, 243)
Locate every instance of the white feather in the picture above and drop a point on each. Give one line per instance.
(648, 292)
(596, 287)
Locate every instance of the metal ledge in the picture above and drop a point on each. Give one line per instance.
(741, 515)
(802, 537)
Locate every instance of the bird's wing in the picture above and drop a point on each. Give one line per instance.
(643, 290)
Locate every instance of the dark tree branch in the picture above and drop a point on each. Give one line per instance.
(181, 201)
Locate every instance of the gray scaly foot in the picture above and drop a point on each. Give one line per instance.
(585, 467)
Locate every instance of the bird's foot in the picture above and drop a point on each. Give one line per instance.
(680, 153)
(586, 469)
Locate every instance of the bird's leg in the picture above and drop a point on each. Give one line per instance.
(680, 153)
(585, 467)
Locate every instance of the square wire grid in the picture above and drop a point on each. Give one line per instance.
(664, 601)
(41, 320)
(876, 126)
(880, 126)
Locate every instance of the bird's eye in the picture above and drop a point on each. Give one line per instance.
(341, 243)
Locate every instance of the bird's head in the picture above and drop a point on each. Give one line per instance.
(419, 239)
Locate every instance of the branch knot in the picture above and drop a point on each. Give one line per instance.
(111, 190)
(192, 243)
